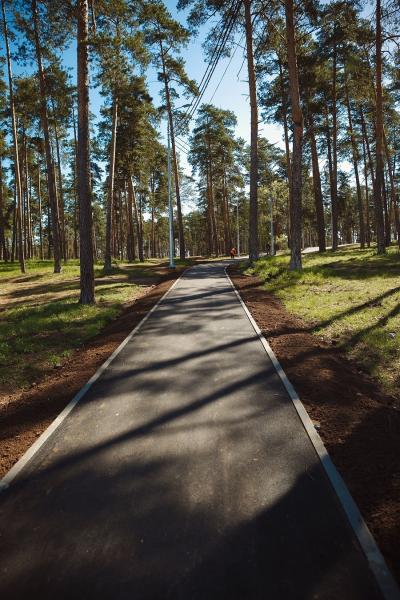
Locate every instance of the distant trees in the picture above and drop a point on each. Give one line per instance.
(212, 155)
(95, 187)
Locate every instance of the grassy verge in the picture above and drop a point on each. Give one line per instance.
(351, 298)
(41, 322)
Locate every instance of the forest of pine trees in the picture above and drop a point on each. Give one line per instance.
(73, 186)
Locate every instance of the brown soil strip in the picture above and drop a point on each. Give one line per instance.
(359, 424)
(25, 415)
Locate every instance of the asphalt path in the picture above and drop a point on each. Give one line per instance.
(184, 473)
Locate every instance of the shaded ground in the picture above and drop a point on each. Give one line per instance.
(25, 415)
(358, 423)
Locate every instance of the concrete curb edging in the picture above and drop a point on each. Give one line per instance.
(378, 566)
(32, 450)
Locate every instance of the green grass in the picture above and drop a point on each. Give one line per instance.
(41, 322)
(351, 297)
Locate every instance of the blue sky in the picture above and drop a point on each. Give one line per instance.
(231, 93)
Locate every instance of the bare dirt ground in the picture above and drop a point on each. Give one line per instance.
(359, 424)
(26, 414)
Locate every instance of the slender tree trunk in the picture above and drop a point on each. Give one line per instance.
(212, 212)
(225, 216)
(355, 165)
(319, 205)
(182, 253)
(3, 250)
(39, 193)
(130, 241)
(378, 203)
(76, 204)
(131, 191)
(60, 194)
(49, 162)
(253, 208)
(84, 183)
(393, 195)
(18, 187)
(286, 136)
(297, 116)
(110, 197)
(334, 189)
(29, 236)
(14, 230)
(368, 225)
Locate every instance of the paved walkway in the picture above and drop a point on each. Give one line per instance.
(185, 473)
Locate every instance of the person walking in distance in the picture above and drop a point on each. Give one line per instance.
(233, 252)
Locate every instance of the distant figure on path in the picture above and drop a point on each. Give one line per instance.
(233, 252)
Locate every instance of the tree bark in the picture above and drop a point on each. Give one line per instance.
(355, 165)
(334, 192)
(253, 208)
(182, 253)
(378, 192)
(131, 191)
(297, 116)
(368, 226)
(55, 220)
(319, 205)
(393, 195)
(64, 248)
(87, 295)
(18, 187)
(76, 205)
(3, 250)
(287, 147)
(110, 197)
(39, 194)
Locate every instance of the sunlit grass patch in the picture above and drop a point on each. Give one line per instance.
(41, 321)
(352, 297)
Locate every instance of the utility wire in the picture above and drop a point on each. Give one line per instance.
(216, 49)
(224, 73)
(227, 28)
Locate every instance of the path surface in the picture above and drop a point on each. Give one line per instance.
(185, 473)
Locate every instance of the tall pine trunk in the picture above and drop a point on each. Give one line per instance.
(76, 205)
(355, 166)
(3, 249)
(297, 155)
(379, 182)
(368, 225)
(55, 220)
(39, 195)
(393, 195)
(253, 208)
(319, 205)
(182, 253)
(110, 197)
(18, 187)
(139, 231)
(334, 180)
(64, 249)
(83, 171)
(286, 136)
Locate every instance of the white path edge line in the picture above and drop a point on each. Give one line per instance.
(378, 566)
(32, 450)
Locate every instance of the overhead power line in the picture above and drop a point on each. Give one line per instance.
(224, 73)
(216, 55)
